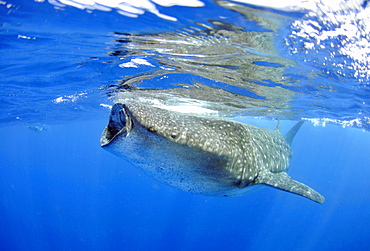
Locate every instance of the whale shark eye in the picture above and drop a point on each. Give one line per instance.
(174, 136)
(151, 129)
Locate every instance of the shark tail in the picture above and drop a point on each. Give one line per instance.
(284, 182)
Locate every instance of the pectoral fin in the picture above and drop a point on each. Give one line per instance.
(284, 182)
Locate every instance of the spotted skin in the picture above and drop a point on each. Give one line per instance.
(203, 155)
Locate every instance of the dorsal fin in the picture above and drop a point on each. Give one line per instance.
(292, 132)
(284, 182)
(278, 125)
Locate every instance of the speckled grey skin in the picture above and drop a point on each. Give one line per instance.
(202, 155)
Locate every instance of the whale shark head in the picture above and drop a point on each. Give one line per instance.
(204, 155)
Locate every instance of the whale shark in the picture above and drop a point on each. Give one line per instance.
(202, 154)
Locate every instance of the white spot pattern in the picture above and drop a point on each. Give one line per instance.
(249, 149)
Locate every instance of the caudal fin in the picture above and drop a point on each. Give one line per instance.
(284, 182)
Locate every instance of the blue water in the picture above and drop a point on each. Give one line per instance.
(59, 190)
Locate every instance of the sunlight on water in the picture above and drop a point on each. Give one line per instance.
(344, 123)
(345, 22)
(130, 8)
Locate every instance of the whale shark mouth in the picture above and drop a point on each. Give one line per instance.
(119, 124)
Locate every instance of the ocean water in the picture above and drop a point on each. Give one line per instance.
(63, 64)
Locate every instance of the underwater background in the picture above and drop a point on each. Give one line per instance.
(63, 64)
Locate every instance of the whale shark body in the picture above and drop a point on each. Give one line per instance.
(202, 155)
